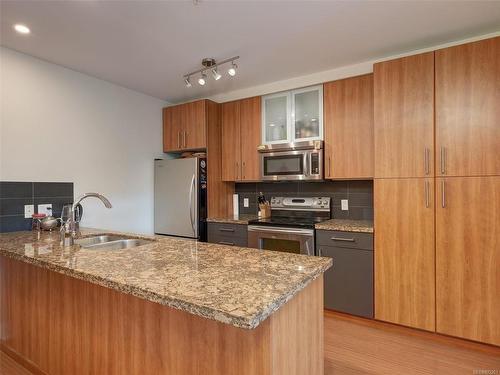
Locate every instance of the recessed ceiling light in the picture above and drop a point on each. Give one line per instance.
(21, 29)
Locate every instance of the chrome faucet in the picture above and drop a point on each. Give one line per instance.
(72, 225)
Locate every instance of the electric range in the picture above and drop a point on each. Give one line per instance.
(291, 225)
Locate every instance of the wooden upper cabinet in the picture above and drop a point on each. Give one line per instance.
(241, 134)
(348, 122)
(404, 252)
(231, 149)
(468, 109)
(185, 126)
(250, 121)
(468, 258)
(404, 116)
(195, 126)
(172, 125)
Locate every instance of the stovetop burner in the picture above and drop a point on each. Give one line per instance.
(298, 222)
(296, 212)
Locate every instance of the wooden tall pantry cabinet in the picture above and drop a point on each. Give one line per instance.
(437, 191)
(404, 191)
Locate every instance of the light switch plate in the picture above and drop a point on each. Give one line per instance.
(344, 205)
(29, 210)
(45, 209)
(246, 202)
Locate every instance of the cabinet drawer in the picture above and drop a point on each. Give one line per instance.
(351, 240)
(228, 230)
(227, 240)
(349, 283)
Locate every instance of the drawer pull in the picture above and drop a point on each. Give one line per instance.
(226, 229)
(226, 243)
(342, 239)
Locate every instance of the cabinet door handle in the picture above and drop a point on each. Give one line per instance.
(426, 189)
(184, 134)
(443, 194)
(342, 239)
(427, 161)
(237, 171)
(226, 243)
(319, 252)
(329, 166)
(243, 170)
(226, 229)
(179, 139)
(443, 160)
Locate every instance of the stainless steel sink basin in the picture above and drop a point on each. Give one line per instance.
(87, 241)
(119, 244)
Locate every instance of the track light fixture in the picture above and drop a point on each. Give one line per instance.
(211, 64)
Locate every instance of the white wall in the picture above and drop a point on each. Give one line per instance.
(61, 125)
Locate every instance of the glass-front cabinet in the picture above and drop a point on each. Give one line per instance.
(276, 110)
(293, 116)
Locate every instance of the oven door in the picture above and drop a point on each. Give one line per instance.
(284, 165)
(289, 240)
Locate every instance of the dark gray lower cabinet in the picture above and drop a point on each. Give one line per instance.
(228, 234)
(349, 283)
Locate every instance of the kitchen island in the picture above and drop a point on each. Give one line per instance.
(172, 306)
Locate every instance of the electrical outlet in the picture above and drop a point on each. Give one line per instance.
(45, 209)
(29, 210)
(246, 202)
(344, 205)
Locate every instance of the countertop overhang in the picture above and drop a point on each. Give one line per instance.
(233, 285)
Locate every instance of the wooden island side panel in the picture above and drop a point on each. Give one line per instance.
(64, 325)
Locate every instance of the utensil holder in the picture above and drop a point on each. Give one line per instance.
(265, 210)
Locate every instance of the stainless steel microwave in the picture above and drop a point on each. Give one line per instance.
(292, 161)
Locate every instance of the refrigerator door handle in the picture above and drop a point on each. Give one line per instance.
(191, 190)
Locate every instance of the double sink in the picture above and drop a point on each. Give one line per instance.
(111, 242)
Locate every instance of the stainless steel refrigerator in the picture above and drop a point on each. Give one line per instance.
(181, 197)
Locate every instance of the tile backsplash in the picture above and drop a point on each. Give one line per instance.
(15, 195)
(358, 193)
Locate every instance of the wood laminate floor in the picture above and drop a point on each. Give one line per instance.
(356, 346)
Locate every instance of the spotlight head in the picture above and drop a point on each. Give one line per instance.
(202, 79)
(216, 74)
(232, 69)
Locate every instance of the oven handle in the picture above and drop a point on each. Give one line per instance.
(256, 228)
(306, 164)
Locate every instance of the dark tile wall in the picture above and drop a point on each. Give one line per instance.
(14, 195)
(358, 193)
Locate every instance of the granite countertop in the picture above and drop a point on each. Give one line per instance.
(242, 219)
(237, 286)
(362, 226)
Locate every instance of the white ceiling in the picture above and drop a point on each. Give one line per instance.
(149, 45)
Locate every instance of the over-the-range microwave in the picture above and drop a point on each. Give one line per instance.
(292, 161)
